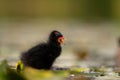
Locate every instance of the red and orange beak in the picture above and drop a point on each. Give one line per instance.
(61, 40)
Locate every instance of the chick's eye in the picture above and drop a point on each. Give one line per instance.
(57, 34)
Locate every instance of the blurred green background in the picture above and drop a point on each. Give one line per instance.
(90, 27)
(65, 9)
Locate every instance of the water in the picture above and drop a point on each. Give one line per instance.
(99, 39)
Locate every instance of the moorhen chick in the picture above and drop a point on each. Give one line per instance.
(43, 55)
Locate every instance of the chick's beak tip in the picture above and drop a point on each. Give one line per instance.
(61, 40)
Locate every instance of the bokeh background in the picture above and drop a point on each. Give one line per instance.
(91, 29)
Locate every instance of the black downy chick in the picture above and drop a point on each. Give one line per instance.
(43, 55)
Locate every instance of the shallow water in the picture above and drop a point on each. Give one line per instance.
(99, 40)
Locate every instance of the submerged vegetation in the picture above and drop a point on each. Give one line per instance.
(8, 72)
